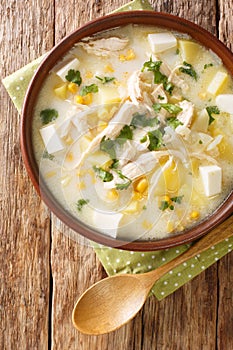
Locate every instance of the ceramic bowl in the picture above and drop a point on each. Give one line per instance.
(136, 17)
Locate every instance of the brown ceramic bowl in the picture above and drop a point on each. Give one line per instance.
(107, 22)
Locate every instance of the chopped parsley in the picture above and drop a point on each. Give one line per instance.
(212, 110)
(104, 175)
(173, 122)
(164, 205)
(105, 80)
(167, 204)
(156, 139)
(47, 155)
(86, 89)
(143, 139)
(188, 69)
(159, 78)
(144, 207)
(74, 76)
(169, 107)
(80, 204)
(108, 145)
(160, 97)
(177, 199)
(208, 65)
(115, 164)
(200, 142)
(48, 115)
(143, 121)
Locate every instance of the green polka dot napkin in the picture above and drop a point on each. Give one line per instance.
(120, 261)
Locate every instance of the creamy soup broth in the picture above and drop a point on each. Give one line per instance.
(133, 131)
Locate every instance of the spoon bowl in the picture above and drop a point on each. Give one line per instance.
(115, 300)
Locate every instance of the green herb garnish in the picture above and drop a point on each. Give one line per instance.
(115, 164)
(105, 80)
(86, 89)
(80, 204)
(169, 107)
(212, 110)
(188, 69)
(160, 97)
(48, 115)
(177, 199)
(156, 139)
(164, 205)
(200, 142)
(208, 65)
(74, 76)
(47, 155)
(143, 139)
(125, 134)
(104, 175)
(159, 78)
(125, 185)
(143, 121)
(173, 122)
(108, 146)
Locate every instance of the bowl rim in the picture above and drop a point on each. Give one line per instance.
(161, 20)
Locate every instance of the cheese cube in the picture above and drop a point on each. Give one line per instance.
(62, 72)
(160, 42)
(212, 179)
(225, 103)
(108, 223)
(189, 50)
(217, 83)
(51, 139)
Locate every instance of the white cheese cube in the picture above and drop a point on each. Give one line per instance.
(51, 139)
(212, 179)
(217, 83)
(62, 72)
(160, 42)
(107, 222)
(225, 103)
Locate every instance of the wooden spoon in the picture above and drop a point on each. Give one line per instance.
(113, 301)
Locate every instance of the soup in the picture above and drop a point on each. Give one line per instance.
(133, 131)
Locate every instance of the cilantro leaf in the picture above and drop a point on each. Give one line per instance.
(104, 175)
(80, 204)
(208, 65)
(48, 115)
(173, 122)
(188, 69)
(74, 76)
(177, 199)
(164, 205)
(126, 184)
(108, 146)
(86, 89)
(171, 108)
(105, 80)
(159, 78)
(115, 164)
(125, 134)
(156, 139)
(212, 110)
(47, 155)
(143, 121)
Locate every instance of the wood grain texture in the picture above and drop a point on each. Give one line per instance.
(33, 249)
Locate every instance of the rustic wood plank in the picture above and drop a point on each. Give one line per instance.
(25, 225)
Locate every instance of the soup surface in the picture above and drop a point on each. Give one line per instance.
(133, 132)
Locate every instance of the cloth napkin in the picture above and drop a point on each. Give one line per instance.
(121, 261)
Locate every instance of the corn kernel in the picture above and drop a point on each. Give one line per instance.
(202, 95)
(50, 174)
(112, 194)
(87, 99)
(69, 157)
(131, 208)
(89, 74)
(194, 215)
(166, 199)
(65, 181)
(109, 68)
(122, 57)
(78, 99)
(142, 185)
(170, 226)
(137, 196)
(147, 225)
(72, 87)
(81, 185)
(130, 55)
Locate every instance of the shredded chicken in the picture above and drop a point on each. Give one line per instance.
(186, 115)
(159, 93)
(104, 47)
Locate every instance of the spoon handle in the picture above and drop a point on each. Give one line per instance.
(216, 236)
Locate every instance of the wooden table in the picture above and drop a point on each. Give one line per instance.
(43, 271)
